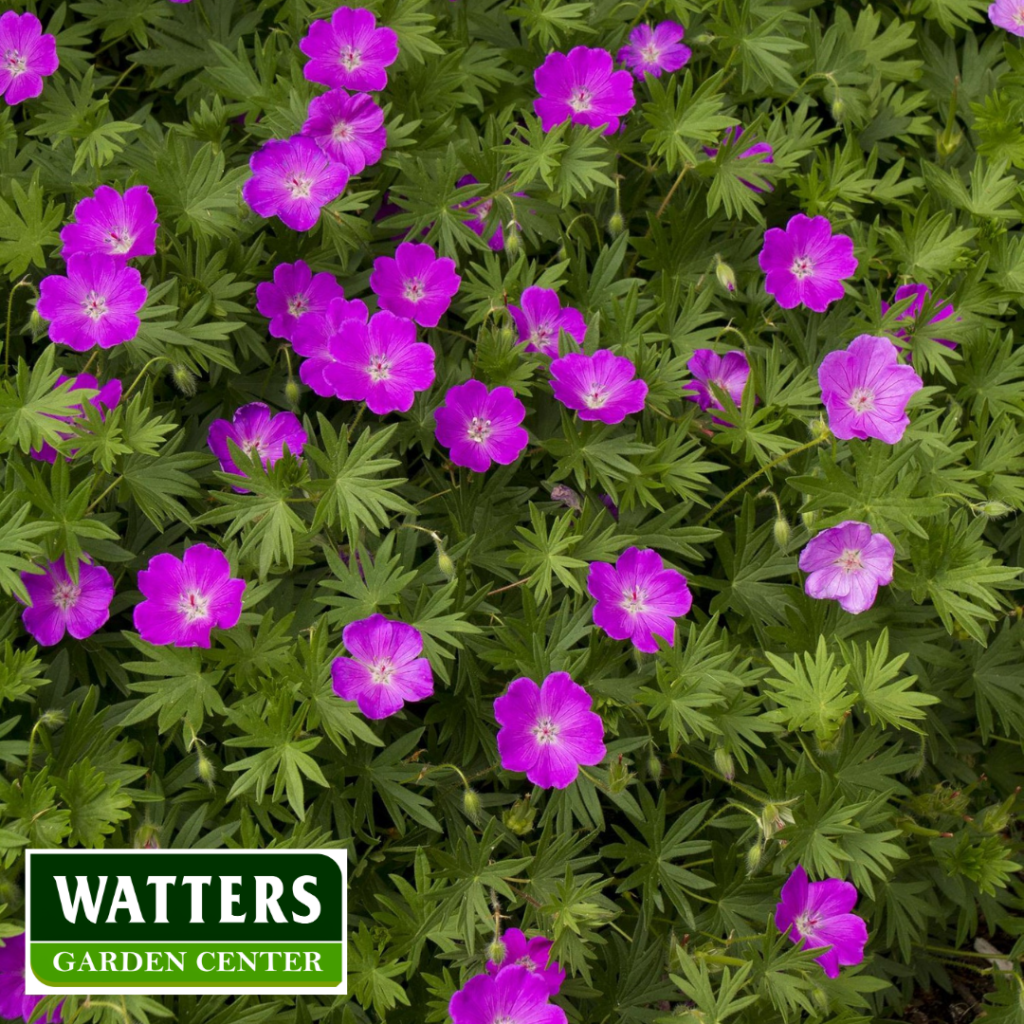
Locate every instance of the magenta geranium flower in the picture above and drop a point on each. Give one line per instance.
(349, 129)
(805, 264)
(292, 179)
(186, 598)
(481, 208)
(1008, 14)
(638, 598)
(384, 669)
(729, 372)
(762, 149)
(380, 363)
(582, 86)
(919, 292)
(548, 731)
(533, 954)
(14, 1003)
(599, 387)
(59, 605)
(848, 563)
(513, 996)
(111, 224)
(259, 433)
(311, 339)
(479, 427)
(866, 389)
(349, 51)
(818, 914)
(415, 283)
(106, 397)
(654, 50)
(95, 304)
(294, 292)
(540, 316)
(27, 56)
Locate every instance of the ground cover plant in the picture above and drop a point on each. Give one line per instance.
(568, 454)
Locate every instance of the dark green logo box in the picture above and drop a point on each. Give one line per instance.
(162, 922)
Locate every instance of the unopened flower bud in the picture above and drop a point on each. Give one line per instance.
(782, 531)
(726, 276)
(512, 243)
(618, 775)
(183, 379)
(36, 324)
(754, 855)
(496, 952)
(654, 767)
(205, 768)
(471, 803)
(724, 764)
(445, 563)
(506, 335)
(992, 509)
(705, 39)
(838, 106)
(616, 222)
(292, 392)
(566, 496)
(948, 142)
(519, 817)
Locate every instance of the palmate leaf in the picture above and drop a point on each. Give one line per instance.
(31, 403)
(18, 545)
(354, 491)
(25, 230)
(95, 805)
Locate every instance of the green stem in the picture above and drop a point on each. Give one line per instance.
(135, 383)
(764, 469)
(115, 482)
(23, 283)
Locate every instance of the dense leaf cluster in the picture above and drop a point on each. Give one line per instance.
(884, 748)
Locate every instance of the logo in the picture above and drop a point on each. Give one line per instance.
(185, 922)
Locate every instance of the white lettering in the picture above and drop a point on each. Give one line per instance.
(307, 899)
(91, 905)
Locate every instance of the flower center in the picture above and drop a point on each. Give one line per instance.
(633, 601)
(342, 131)
(95, 306)
(120, 241)
(596, 396)
(580, 99)
(504, 1019)
(413, 290)
(546, 731)
(195, 607)
(479, 430)
(65, 595)
(802, 267)
(254, 447)
(806, 925)
(849, 561)
(527, 962)
(350, 58)
(14, 62)
(297, 305)
(300, 186)
(381, 671)
(379, 368)
(650, 53)
(861, 400)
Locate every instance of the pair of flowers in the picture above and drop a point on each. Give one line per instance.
(97, 301)
(184, 599)
(818, 915)
(344, 131)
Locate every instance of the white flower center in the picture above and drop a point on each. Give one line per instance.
(414, 290)
(803, 266)
(379, 368)
(255, 447)
(806, 924)
(596, 396)
(381, 671)
(14, 62)
(350, 58)
(545, 730)
(297, 305)
(580, 99)
(850, 561)
(119, 241)
(479, 430)
(195, 607)
(527, 962)
(65, 595)
(95, 306)
(484, 207)
(300, 186)
(504, 1019)
(861, 400)
(650, 53)
(633, 601)
(342, 131)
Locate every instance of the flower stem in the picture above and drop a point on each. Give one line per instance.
(23, 283)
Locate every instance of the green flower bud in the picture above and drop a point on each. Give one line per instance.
(292, 392)
(782, 531)
(506, 335)
(992, 509)
(754, 855)
(512, 242)
(654, 767)
(724, 764)
(618, 775)
(471, 805)
(183, 379)
(519, 817)
(838, 106)
(616, 223)
(726, 276)
(205, 768)
(497, 951)
(36, 324)
(445, 563)
(948, 142)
